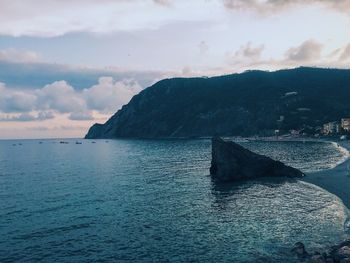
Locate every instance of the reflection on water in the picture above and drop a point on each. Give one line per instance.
(148, 200)
(274, 212)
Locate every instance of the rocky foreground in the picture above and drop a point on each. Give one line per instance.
(232, 162)
(337, 254)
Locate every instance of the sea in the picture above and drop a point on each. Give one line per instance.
(77, 200)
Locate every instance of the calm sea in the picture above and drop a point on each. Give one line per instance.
(153, 201)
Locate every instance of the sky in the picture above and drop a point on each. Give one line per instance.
(67, 64)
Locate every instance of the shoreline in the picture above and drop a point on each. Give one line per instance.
(335, 180)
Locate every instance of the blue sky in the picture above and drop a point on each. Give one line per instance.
(101, 53)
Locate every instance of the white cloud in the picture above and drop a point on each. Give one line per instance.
(19, 56)
(309, 50)
(60, 98)
(16, 101)
(109, 95)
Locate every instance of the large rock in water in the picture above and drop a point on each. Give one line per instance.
(231, 162)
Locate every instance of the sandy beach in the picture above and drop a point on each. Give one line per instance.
(335, 180)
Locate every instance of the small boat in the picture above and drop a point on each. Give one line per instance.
(62, 142)
(78, 143)
(93, 142)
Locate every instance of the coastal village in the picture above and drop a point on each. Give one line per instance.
(339, 128)
(333, 128)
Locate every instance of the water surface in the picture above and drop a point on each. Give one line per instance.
(153, 201)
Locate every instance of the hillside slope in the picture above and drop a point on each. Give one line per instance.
(250, 103)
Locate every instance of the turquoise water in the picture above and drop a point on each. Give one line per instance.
(153, 201)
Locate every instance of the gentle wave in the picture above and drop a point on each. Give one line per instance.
(343, 151)
(308, 156)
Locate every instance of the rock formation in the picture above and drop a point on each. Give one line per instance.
(300, 251)
(231, 162)
(337, 254)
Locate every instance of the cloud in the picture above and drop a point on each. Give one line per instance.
(308, 53)
(109, 95)
(248, 51)
(61, 98)
(81, 116)
(240, 4)
(345, 56)
(334, 53)
(187, 71)
(18, 56)
(52, 18)
(34, 75)
(15, 101)
(23, 117)
(45, 115)
(309, 50)
(203, 47)
(70, 128)
(270, 6)
(162, 2)
(246, 54)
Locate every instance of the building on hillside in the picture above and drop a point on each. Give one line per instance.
(345, 124)
(294, 132)
(292, 93)
(331, 128)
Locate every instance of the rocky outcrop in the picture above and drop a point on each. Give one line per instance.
(231, 162)
(95, 131)
(337, 254)
(341, 252)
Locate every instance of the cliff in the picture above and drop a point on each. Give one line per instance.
(250, 103)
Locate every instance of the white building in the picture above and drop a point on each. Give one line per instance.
(333, 127)
(345, 124)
